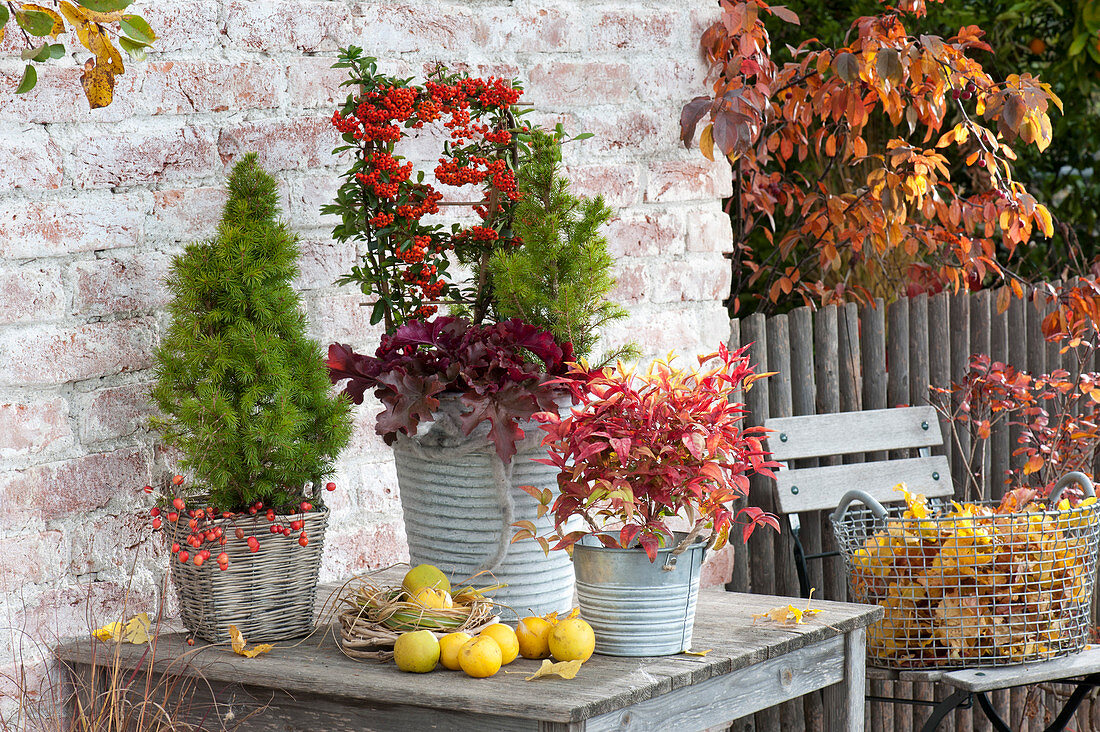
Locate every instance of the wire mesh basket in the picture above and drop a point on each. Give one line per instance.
(985, 584)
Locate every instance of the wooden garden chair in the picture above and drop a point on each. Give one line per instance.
(822, 488)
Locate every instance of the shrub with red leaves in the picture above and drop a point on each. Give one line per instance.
(639, 450)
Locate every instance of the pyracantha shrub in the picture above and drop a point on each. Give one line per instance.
(381, 202)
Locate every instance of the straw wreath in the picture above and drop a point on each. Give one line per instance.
(374, 616)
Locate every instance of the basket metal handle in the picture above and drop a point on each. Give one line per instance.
(862, 497)
(1067, 479)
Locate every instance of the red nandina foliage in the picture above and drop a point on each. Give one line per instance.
(844, 183)
(640, 450)
(485, 364)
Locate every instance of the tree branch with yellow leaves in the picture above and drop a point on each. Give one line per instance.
(93, 22)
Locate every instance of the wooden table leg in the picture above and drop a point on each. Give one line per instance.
(855, 678)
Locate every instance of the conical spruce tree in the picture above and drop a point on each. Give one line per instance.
(245, 395)
(560, 278)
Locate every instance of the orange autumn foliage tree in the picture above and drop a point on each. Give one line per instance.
(872, 170)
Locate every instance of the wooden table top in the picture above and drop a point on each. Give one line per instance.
(723, 626)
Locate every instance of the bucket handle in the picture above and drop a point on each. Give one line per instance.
(670, 560)
(880, 512)
(1067, 479)
(861, 496)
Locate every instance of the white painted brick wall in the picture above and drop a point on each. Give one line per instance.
(94, 203)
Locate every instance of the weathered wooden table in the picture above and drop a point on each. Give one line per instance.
(312, 686)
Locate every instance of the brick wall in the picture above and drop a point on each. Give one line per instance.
(93, 204)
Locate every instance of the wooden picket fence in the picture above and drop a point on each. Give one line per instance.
(849, 358)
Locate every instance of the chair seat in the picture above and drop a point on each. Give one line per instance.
(993, 678)
(1081, 663)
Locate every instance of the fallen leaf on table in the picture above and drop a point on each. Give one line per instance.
(553, 618)
(110, 631)
(564, 669)
(135, 630)
(698, 653)
(789, 614)
(237, 641)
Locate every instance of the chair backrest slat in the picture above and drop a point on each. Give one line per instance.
(843, 433)
(815, 489)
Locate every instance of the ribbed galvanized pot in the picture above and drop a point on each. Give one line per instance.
(454, 517)
(635, 606)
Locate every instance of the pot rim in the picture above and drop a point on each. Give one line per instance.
(589, 541)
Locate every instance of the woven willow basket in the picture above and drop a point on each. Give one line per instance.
(268, 595)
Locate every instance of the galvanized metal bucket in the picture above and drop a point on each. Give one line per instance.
(454, 518)
(637, 607)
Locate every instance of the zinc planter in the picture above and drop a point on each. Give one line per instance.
(459, 503)
(269, 595)
(637, 607)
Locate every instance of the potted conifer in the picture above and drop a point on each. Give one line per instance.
(641, 456)
(458, 391)
(246, 401)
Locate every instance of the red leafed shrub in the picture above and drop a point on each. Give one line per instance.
(487, 365)
(640, 450)
(1057, 415)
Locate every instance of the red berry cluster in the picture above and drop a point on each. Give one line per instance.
(480, 233)
(475, 170)
(207, 527)
(386, 175)
(412, 256)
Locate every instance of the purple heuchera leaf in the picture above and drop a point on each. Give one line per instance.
(343, 363)
(489, 365)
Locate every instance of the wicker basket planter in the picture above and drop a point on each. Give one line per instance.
(269, 595)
